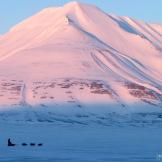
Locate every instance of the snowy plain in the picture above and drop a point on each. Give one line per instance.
(77, 143)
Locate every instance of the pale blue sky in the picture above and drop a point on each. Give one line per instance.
(14, 11)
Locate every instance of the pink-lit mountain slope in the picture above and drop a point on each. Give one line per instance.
(76, 58)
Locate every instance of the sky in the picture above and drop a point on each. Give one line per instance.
(14, 11)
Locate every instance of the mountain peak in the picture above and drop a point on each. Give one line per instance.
(76, 4)
(73, 3)
(69, 5)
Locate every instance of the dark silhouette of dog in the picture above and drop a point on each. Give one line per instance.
(40, 144)
(24, 144)
(32, 144)
(10, 143)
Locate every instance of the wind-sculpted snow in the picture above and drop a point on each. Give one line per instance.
(77, 60)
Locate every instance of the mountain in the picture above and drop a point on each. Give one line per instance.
(77, 59)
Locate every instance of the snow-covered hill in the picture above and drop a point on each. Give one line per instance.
(78, 60)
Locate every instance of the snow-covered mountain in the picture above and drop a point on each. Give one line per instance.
(79, 59)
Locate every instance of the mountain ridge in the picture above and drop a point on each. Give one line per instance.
(80, 56)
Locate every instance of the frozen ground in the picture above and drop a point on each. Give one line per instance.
(76, 143)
